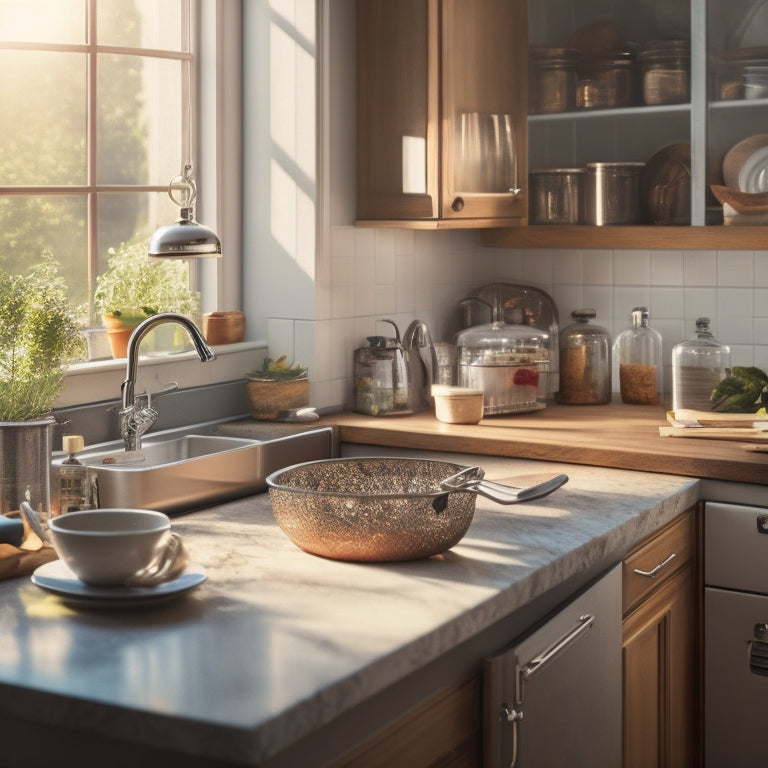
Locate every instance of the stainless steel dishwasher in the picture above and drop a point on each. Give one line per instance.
(735, 634)
(553, 697)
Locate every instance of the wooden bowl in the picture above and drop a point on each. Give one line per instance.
(223, 327)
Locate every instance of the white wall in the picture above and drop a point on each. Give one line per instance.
(364, 274)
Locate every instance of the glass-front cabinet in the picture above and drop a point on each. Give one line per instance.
(567, 123)
(639, 108)
(441, 113)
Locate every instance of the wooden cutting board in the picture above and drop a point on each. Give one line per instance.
(742, 434)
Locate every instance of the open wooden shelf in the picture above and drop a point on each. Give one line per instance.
(638, 237)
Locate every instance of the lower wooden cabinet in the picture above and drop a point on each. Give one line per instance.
(444, 732)
(660, 653)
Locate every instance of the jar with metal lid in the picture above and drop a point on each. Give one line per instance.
(665, 67)
(637, 351)
(613, 193)
(509, 362)
(606, 80)
(699, 364)
(552, 80)
(585, 361)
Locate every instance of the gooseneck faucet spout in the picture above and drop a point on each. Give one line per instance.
(135, 421)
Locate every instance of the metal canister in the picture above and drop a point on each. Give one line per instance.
(557, 196)
(613, 193)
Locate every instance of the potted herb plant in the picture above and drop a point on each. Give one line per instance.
(133, 287)
(39, 333)
(277, 386)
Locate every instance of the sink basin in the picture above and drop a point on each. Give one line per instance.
(177, 472)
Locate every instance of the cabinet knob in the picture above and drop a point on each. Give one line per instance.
(458, 204)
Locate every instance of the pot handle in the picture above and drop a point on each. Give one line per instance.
(471, 479)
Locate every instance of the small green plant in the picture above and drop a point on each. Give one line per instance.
(135, 286)
(39, 333)
(278, 370)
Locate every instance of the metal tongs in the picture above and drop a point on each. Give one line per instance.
(471, 479)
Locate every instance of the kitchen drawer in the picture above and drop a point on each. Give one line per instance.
(654, 556)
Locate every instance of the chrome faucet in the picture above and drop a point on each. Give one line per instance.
(136, 420)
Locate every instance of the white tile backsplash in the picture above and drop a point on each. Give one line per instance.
(409, 274)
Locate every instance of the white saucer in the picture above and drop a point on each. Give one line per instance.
(57, 578)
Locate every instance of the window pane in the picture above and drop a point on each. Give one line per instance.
(33, 224)
(43, 119)
(43, 21)
(131, 217)
(139, 120)
(142, 24)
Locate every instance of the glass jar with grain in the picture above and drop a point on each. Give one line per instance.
(638, 354)
(585, 361)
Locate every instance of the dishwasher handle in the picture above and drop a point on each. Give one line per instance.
(543, 659)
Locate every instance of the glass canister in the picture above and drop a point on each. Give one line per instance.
(665, 66)
(699, 364)
(381, 380)
(638, 353)
(552, 80)
(509, 362)
(585, 361)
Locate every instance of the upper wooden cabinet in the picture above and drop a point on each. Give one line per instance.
(726, 101)
(442, 105)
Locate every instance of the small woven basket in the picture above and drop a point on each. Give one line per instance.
(267, 398)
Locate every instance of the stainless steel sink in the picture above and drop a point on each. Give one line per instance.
(177, 472)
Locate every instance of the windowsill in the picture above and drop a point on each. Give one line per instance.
(100, 380)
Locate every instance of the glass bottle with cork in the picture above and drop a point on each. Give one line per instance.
(637, 351)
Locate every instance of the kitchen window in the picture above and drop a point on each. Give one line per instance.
(98, 96)
(94, 124)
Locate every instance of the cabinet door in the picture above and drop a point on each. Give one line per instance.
(658, 666)
(397, 145)
(484, 106)
(442, 112)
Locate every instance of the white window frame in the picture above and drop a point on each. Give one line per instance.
(218, 174)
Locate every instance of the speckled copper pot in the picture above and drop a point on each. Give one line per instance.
(371, 509)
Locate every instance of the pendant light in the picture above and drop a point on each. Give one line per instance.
(186, 239)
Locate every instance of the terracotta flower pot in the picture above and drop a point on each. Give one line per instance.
(118, 334)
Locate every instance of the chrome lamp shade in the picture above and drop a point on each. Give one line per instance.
(186, 239)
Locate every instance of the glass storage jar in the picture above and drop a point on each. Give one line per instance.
(665, 66)
(637, 351)
(552, 80)
(509, 362)
(585, 361)
(699, 364)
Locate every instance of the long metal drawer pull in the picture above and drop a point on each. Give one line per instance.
(547, 656)
(654, 572)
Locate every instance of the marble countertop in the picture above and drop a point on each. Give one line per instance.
(277, 643)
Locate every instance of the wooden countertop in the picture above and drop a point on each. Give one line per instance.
(613, 435)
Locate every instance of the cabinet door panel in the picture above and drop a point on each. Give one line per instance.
(483, 100)
(397, 110)
(658, 671)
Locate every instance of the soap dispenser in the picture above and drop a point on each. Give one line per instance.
(74, 478)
